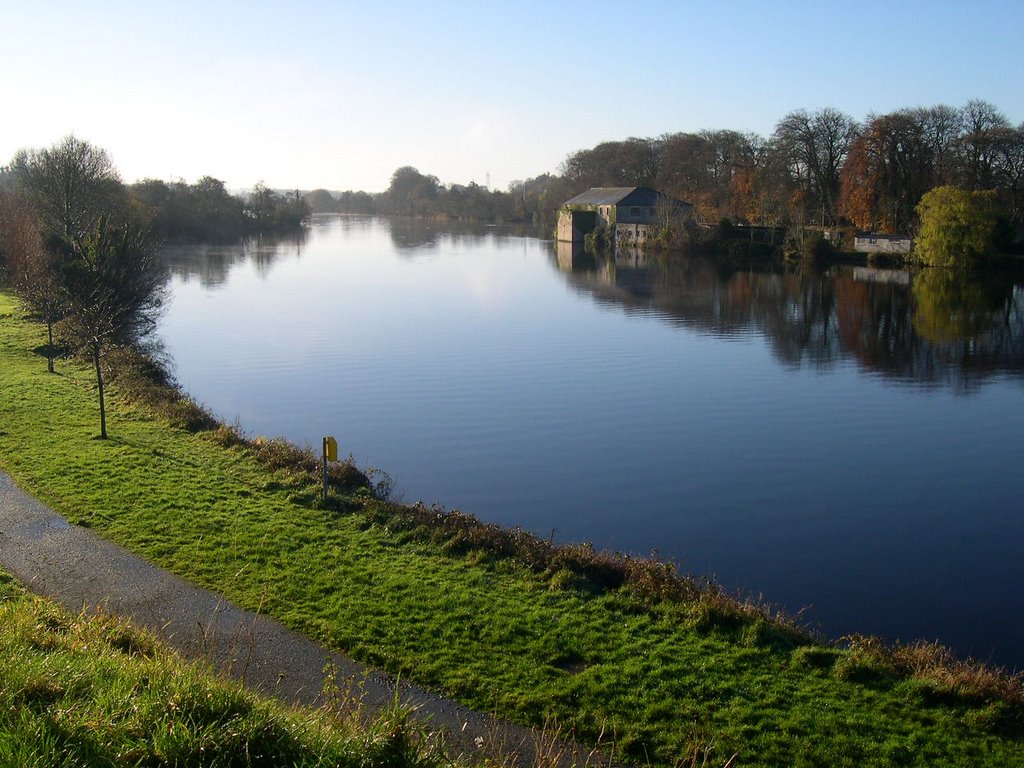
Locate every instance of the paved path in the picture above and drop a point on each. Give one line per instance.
(77, 568)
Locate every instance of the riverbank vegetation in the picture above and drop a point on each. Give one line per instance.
(78, 690)
(205, 212)
(667, 668)
(821, 169)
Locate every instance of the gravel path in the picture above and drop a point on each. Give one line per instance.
(79, 569)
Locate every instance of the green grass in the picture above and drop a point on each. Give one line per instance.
(81, 691)
(668, 681)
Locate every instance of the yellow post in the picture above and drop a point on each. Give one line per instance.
(330, 454)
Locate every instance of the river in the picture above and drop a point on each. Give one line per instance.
(845, 442)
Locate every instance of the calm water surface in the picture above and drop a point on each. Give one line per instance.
(849, 442)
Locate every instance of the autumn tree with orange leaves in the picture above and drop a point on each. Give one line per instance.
(889, 168)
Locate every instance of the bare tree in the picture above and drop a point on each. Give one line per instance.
(115, 285)
(817, 145)
(981, 122)
(1009, 168)
(31, 268)
(685, 163)
(942, 126)
(70, 186)
(633, 162)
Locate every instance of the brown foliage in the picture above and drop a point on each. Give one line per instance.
(938, 667)
(20, 244)
(858, 200)
(652, 583)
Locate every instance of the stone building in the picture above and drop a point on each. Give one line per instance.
(632, 213)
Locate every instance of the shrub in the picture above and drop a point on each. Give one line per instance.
(957, 227)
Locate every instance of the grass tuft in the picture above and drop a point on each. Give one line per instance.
(939, 667)
(81, 700)
(814, 657)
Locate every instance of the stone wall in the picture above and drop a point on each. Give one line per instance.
(632, 234)
(573, 226)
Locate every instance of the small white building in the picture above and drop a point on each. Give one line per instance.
(871, 242)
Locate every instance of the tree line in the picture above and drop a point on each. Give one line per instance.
(206, 212)
(823, 167)
(412, 193)
(817, 168)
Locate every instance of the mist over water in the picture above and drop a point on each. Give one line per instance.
(848, 442)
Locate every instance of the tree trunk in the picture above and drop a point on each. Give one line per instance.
(49, 347)
(99, 385)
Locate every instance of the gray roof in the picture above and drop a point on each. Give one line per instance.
(601, 196)
(618, 196)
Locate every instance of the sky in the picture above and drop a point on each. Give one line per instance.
(340, 94)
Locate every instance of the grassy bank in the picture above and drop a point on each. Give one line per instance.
(666, 670)
(78, 691)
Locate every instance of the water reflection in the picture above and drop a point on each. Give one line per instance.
(409, 234)
(931, 327)
(411, 237)
(212, 264)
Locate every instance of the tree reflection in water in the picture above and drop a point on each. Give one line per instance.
(927, 327)
(211, 264)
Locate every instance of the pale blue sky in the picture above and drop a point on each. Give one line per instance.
(340, 94)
